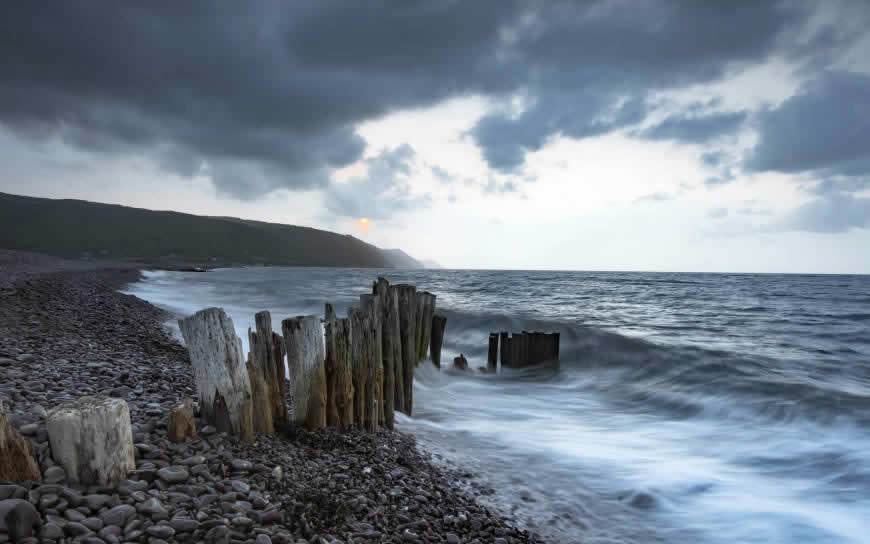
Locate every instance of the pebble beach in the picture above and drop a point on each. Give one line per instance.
(66, 332)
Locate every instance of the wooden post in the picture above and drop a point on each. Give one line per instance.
(398, 362)
(556, 346)
(303, 338)
(407, 328)
(426, 323)
(359, 338)
(503, 341)
(492, 359)
(332, 419)
(524, 349)
(420, 301)
(267, 376)
(374, 384)
(219, 371)
(391, 348)
(439, 323)
(344, 367)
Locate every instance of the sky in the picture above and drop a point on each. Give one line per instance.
(669, 135)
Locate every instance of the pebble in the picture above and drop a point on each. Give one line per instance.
(173, 475)
(53, 475)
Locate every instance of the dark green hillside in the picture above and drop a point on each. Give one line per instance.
(77, 228)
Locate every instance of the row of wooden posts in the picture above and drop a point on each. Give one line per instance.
(364, 374)
(519, 350)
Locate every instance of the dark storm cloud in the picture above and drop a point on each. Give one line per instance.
(268, 95)
(824, 129)
(695, 130)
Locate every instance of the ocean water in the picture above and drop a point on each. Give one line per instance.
(685, 407)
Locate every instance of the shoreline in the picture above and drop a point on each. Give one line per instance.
(67, 332)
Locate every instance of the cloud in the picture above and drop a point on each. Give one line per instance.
(695, 130)
(441, 174)
(382, 192)
(718, 213)
(825, 129)
(655, 197)
(269, 95)
(832, 213)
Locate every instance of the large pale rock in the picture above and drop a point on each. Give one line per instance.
(92, 440)
(267, 376)
(303, 339)
(17, 456)
(219, 371)
(181, 423)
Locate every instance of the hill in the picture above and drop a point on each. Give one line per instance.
(399, 259)
(82, 229)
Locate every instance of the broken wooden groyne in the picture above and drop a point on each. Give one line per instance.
(519, 350)
(353, 371)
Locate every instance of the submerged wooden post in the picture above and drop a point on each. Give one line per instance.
(359, 358)
(492, 357)
(219, 371)
(303, 338)
(267, 375)
(503, 348)
(556, 346)
(439, 323)
(391, 347)
(420, 302)
(374, 384)
(407, 327)
(524, 349)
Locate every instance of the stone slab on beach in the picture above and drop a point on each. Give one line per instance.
(92, 440)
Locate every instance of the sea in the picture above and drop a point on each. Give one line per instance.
(687, 408)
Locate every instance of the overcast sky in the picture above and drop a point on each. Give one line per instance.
(595, 135)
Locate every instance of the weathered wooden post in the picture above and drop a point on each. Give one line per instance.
(391, 348)
(428, 308)
(556, 345)
(266, 373)
(408, 333)
(492, 357)
(439, 323)
(503, 349)
(219, 371)
(344, 366)
(92, 439)
(374, 401)
(359, 363)
(524, 349)
(329, 365)
(303, 339)
(420, 311)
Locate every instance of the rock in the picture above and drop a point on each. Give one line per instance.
(19, 519)
(161, 531)
(29, 429)
(118, 515)
(95, 502)
(181, 423)
(92, 439)
(54, 475)
(94, 524)
(277, 473)
(173, 475)
(182, 525)
(219, 370)
(76, 529)
(17, 455)
(241, 465)
(151, 506)
(51, 531)
(263, 539)
(460, 363)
